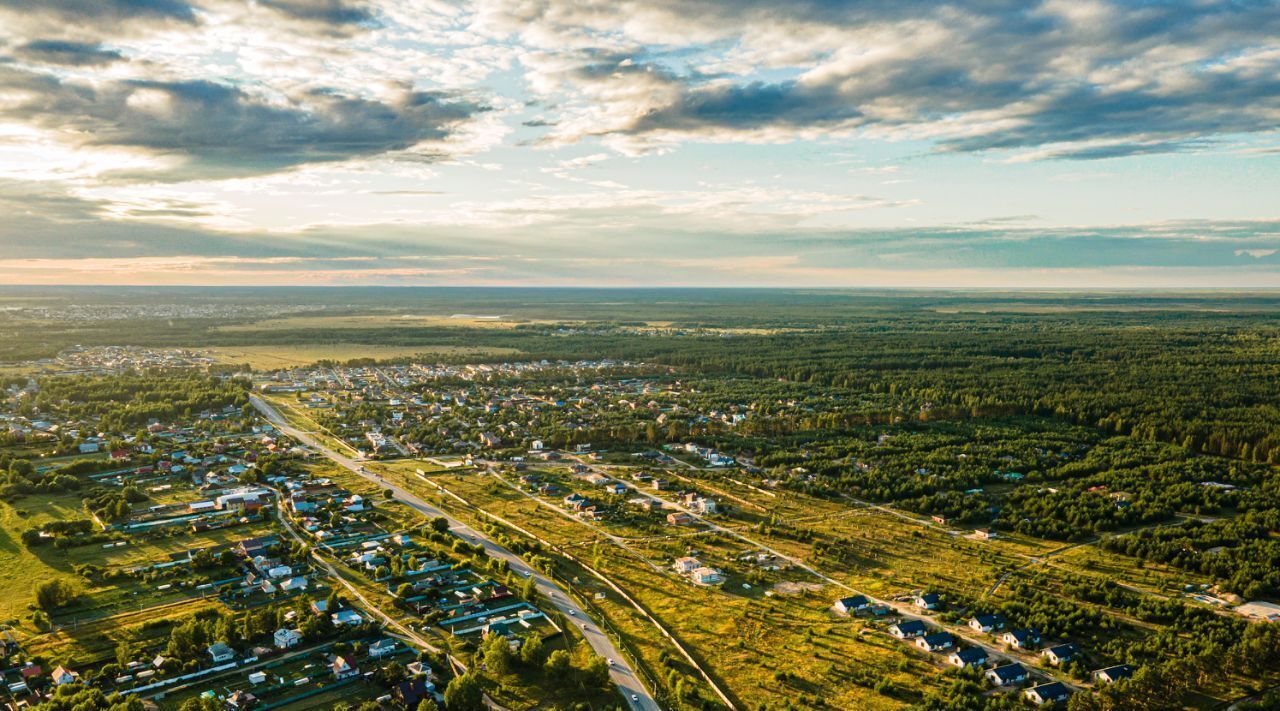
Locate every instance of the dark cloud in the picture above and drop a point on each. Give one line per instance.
(1140, 77)
(224, 130)
(103, 18)
(336, 15)
(76, 54)
(100, 14)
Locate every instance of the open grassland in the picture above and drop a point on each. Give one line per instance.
(21, 567)
(1148, 576)
(742, 637)
(158, 549)
(376, 320)
(293, 356)
(97, 640)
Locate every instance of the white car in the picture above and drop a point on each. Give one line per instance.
(573, 612)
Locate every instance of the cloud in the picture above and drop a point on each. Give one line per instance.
(221, 129)
(1095, 79)
(1255, 253)
(96, 16)
(76, 54)
(338, 16)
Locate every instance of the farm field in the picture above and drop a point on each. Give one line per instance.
(295, 356)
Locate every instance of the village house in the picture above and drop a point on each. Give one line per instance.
(410, 693)
(287, 638)
(382, 648)
(909, 629)
(936, 642)
(707, 576)
(928, 601)
(1051, 693)
(1021, 638)
(851, 605)
(343, 618)
(1007, 674)
(220, 652)
(1111, 675)
(1061, 654)
(343, 668)
(986, 623)
(687, 565)
(968, 657)
(62, 675)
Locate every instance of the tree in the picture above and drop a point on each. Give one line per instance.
(529, 589)
(200, 704)
(439, 524)
(595, 674)
(497, 653)
(558, 663)
(532, 649)
(464, 693)
(55, 593)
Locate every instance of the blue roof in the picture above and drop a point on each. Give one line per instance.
(971, 654)
(1052, 690)
(1009, 672)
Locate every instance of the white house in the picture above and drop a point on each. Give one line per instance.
(908, 630)
(1051, 693)
(287, 638)
(968, 657)
(346, 617)
(936, 642)
(986, 623)
(687, 565)
(382, 648)
(850, 605)
(1007, 674)
(63, 675)
(1021, 639)
(220, 653)
(707, 576)
(1062, 653)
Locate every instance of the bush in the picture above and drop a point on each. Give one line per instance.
(55, 593)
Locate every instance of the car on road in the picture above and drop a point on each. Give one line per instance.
(573, 612)
(635, 698)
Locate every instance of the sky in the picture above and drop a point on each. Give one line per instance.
(837, 143)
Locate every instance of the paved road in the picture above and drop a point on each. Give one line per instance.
(620, 672)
